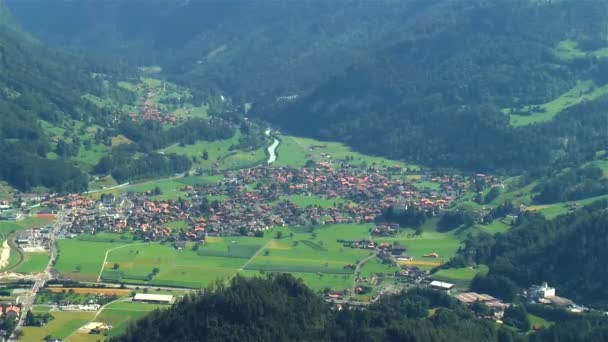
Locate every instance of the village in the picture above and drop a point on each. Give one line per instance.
(250, 201)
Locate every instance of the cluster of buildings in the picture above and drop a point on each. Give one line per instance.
(10, 311)
(255, 199)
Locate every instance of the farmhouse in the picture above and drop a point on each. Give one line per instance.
(154, 298)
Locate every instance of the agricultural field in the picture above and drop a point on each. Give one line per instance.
(219, 259)
(461, 277)
(120, 314)
(317, 251)
(63, 325)
(583, 91)
(72, 263)
(295, 151)
(34, 262)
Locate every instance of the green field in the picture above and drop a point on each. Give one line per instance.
(171, 189)
(569, 50)
(460, 276)
(305, 253)
(221, 154)
(82, 260)
(64, 324)
(119, 315)
(304, 201)
(295, 151)
(186, 268)
(317, 282)
(7, 227)
(34, 263)
(583, 91)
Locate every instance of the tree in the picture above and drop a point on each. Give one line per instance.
(115, 266)
(205, 155)
(278, 235)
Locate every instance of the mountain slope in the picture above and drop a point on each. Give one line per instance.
(445, 99)
(36, 84)
(568, 252)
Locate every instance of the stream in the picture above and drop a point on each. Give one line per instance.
(272, 148)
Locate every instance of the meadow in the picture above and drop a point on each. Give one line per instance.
(583, 91)
(120, 314)
(33, 263)
(317, 251)
(82, 260)
(295, 151)
(63, 325)
(461, 277)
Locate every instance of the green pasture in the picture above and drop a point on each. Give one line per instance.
(295, 151)
(62, 326)
(82, 260)
(583, 91)
(313, 252)
(462, 277)
(569, 50)
(316, 281)
(186, 268)
(375, 267)
(120, 315)
(34, 263)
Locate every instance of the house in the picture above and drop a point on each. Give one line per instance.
(154, 298)
(12, 312)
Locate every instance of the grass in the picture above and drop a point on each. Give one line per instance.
(221, 154)
(308, 254)
(317, 282)
(568, 50)
(553, 210)
(34, 263)
(176, 225)
(304, 201)
(7, 228)
(583, 91)
(295, 151)
(64, 324)
(431, 241)
(539, 321)
(72, 263)
(119, 315)
(184, 268)
(461, 277)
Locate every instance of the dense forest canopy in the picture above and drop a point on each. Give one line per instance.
(281, 308)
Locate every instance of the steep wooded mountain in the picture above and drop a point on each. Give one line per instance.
(445, 99)
(281, 308)
(568, 252)
(245, 48)
(435, 82)
(37, 83)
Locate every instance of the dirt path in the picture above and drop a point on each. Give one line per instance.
(5, 254)
(113, 249)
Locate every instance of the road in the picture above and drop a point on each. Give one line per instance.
(42, 278)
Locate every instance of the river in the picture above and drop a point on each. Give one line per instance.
(272, 149)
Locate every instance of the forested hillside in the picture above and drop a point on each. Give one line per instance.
(281, 308)
(36, 83)
(442, 83)
(452, 98)
(246, 49)
(568, 252)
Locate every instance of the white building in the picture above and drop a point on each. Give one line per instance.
(440, 285)
(542, 292)
(154, 298)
